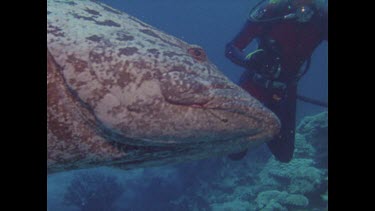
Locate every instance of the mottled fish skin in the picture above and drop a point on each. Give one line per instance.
(123, 93)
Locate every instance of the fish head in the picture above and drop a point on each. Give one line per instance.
(145, 87)
(198, 103)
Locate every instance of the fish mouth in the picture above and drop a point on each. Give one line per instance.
(254, 121)
(232, 111)
(265, 122)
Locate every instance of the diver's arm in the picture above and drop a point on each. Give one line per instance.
(234, 49)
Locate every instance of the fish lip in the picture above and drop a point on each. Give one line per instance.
(240, 103)
(234, 107)
(269, 123)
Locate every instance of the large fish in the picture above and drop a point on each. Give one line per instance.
(122, 93)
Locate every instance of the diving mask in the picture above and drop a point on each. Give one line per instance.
(301, 12)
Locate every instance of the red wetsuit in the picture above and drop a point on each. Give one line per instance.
(295, 43)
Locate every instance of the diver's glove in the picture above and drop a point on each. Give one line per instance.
(239, 58)
(254, 60)
(234, 54)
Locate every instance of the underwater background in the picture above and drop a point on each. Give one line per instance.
(257, 182)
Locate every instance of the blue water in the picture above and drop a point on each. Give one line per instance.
(196, 185)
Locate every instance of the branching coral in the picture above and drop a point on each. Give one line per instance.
(93, 191)
(276, 200)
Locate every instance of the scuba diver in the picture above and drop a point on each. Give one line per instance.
(287, 32)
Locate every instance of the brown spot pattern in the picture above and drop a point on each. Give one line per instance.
(92, 12)
(141, 65)
(154, 52)
(94, 38)
(179, 68)
(97, 55)
(108, 23)
(79, 65)
(153, 34)
(124, 78)
(122, 36)
(103, 23)
(75, 15)
(172, 54)
(151, 41)
(147, 76)
(149, 32)
(127, 51)
(55, 31)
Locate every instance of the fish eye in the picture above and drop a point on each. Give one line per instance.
(197, 53)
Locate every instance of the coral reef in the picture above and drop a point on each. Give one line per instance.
(282, 201)
(93, 191)
(298, 176)
(235, 205)
(301, 184)
(315, 130)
